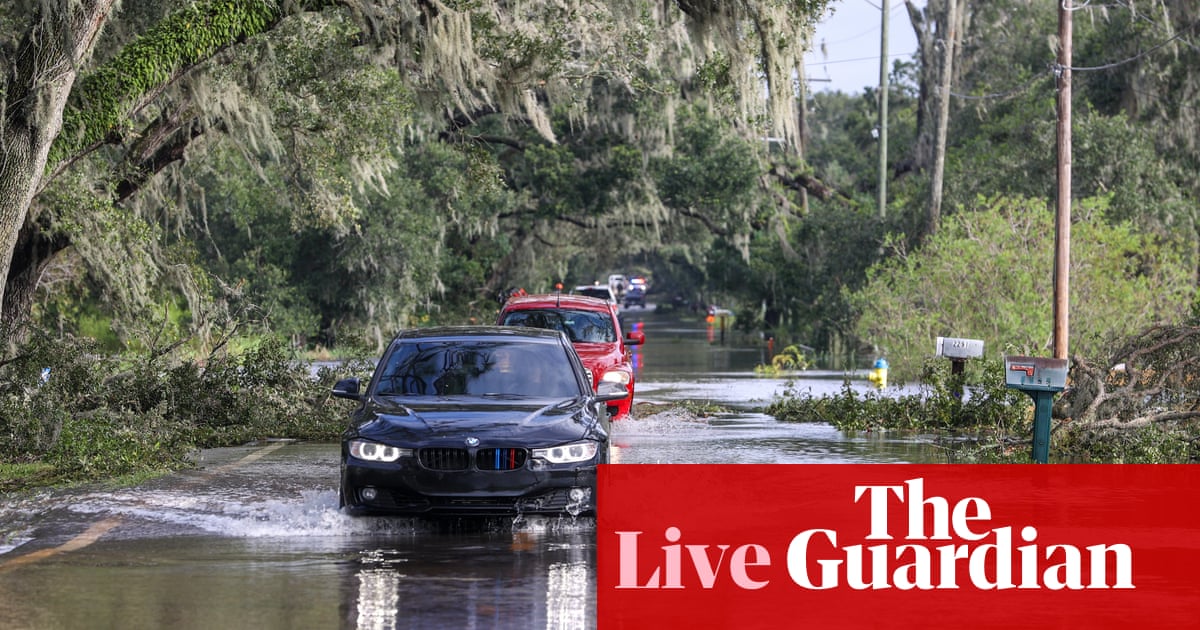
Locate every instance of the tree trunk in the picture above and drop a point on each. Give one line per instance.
(44, 71)
(930, 25)
(939, 156)
(33, 253)
(923, 27)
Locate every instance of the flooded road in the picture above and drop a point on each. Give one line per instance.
(252, 537)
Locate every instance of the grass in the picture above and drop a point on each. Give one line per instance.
(18, 477)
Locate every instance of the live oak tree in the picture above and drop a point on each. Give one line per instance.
(99, 102)
(60, 105)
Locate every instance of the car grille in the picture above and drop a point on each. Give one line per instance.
(485, 458)
(444, 458)
(500, 458)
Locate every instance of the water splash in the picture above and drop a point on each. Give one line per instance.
(542, 524)
(670, 421)
(313, 513)
(306, 514)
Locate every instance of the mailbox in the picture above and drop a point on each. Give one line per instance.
(1040, 377)
(1038, 374)
(954, 348)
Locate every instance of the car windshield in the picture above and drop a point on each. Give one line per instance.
(477, 368)
(580, 326)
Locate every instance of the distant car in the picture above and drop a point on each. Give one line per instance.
(618, 283)
(600, 291)
(635, 297)
(482, 420)
(594, 329)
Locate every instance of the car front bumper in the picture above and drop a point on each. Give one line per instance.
(406, 488)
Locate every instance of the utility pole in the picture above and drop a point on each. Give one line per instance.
(1062, 232)
(802, 117)
(883, 112)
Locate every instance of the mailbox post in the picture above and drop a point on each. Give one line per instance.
(958, 351)
(1041, 378)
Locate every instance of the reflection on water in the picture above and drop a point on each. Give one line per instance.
(378, 599)
(684, 348)
(514, 580)
(568, 585)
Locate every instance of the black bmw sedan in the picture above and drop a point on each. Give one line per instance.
(481, 420)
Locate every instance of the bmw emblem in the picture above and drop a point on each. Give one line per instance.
(472, 441)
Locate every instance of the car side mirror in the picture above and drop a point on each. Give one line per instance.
(635, 338)
(347, 388)
(609, 392)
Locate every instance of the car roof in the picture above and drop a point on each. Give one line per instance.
(474, 332)
(559, 300)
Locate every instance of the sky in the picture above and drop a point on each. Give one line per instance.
(851, 37)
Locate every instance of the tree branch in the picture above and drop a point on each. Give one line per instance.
(802, 181)
(708, 223)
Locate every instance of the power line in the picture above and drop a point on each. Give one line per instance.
(1109, 66)
(859, 59)
(999, 95)
(1055, 69)
(870, 31)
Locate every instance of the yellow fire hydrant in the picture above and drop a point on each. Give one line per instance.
(878, 375)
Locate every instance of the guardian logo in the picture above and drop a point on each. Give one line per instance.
(947, 546)
(983, 558)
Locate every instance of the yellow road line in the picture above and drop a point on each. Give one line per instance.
(89, 536)
(252, 457)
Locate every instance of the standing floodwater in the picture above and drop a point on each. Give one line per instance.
(253, 538)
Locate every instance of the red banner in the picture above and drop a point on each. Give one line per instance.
(898, 546)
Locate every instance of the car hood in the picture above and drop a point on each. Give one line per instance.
(533, 423)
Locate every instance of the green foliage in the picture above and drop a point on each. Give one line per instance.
(1003, 250)
(104, 99)
(552, 172)
(801, 297)
(791, 358)
(701, 408)
(1147, 444)
(844, 148)
(985, 406)
(114, 272)
(1138, 184)
(1132, 123)
(714, 75)
(95, 415)
(711, 169)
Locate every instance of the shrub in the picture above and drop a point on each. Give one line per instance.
(91, 415)
(986, 406)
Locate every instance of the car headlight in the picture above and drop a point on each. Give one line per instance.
(376, 452)
(620, 377)
(567, 453)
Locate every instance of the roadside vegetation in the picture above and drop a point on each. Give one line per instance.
(1116, 414)
(70, 413)
(240, 185)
